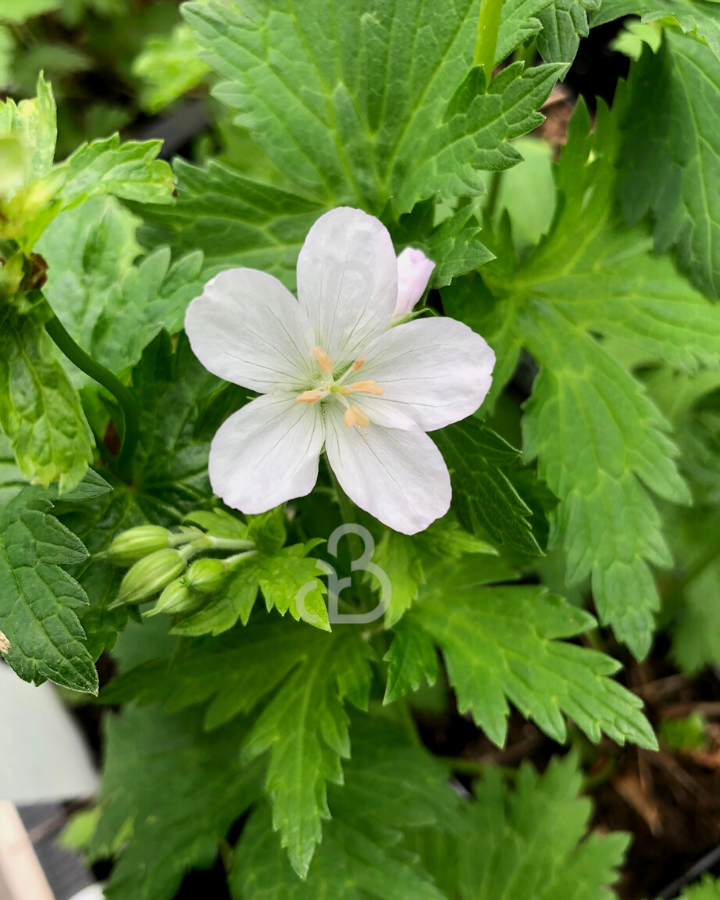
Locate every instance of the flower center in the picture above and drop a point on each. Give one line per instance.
(328, 386)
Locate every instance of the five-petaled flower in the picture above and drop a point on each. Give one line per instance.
(334, 374)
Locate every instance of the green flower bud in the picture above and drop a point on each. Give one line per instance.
(177, 598)
(206, 575)
(135, 543)
(150, 575)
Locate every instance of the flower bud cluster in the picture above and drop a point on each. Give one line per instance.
(159, 561)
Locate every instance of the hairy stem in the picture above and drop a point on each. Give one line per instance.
(487, 35)
(91, 367)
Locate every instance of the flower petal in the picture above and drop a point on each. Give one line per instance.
(414, 271)
(267, 453)
(246, 327)
(347, 281)
(433, 371)
(399, 477)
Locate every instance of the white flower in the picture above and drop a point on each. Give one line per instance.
(332, 373)
(414, 271)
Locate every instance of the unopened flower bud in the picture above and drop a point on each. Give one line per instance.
(177, 598)
(206, 575)
(414, 271)
(135, 543)
(150, 575)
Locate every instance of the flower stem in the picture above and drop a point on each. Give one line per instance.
(131, 417)
(230, 544)
(347, 511)
(487, 35)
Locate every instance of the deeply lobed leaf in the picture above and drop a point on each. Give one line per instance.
(304, 725)
(594, 431)
(503, 644)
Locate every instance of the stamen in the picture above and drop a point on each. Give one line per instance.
(355, 416)
(367, 387)
(323, 360)
(309, 397)
(358, 362)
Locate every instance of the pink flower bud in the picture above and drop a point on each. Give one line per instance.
(414, 271)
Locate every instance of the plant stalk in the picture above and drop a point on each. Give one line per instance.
(347, 511)
(131, 417)
(487, 35)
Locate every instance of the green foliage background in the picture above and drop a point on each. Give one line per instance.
(585, 516)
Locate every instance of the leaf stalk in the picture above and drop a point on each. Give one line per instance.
(131, 416)
(487, 35)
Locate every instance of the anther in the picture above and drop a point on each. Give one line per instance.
(367, 387)
(323, 360)
(358, 362)
(355, 416)
(309, 397)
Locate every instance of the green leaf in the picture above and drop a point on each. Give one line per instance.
(689, 598)
(172, 390)
(685, 733)
(518, 24)
(502, 643)
(453, 245)
(483, 495)
(40, 410)
(280, 575)
(7, 47)
(599, 440)
(411, 658)
(11, 478)
(398, 556)
(527, 192)
(127, 170)
(364, 115)
(304, 725)
(168, 67)
(564, 22)
(698, 17)
(305, 728)
(96, 523)
(40, 190)
(671, 154)
(237, 222)
(18, 11)
(174, 393)
(234, 221)
(707, 889)
(110, 306)
(390, 791)
(33, 122)
(39, 601)
(170, 793)
(404, 559)
(533, 841)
